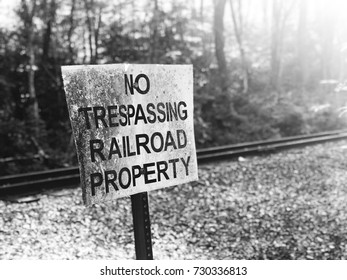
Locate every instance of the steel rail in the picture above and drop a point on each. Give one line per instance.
(267, 148)
(35, 182)
(245, 145)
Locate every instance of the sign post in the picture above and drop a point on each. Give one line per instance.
(142, 226)
(134, 133)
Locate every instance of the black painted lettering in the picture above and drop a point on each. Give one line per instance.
(85, 110)
(99, 115)
(169, 141)
(181, 138)
(124, 146)
(136, 171)
(131, 112)
(147, 172)
(95, 181)
(186, 163)
(137, 84)
(140, 115)
(173, 111)
(161, 142)
(182, 112)
(174, 169)
(129, 84)
(96, 146)
(142, 143)
(161, 112)
(123, 116)
(121, 178)
(129, 152)
(110, 180)
(150, 107)
(162, 167)
(167, 111)
(112, 114)
(114, 148)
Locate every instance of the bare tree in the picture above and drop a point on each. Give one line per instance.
(218, 28)
(71, 30)
(93, 22)
(280, 14)
(97, 33)
(154, 56)
(50, 13)
(237, 18)
(28, 11)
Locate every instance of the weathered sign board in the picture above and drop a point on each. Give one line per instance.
(133, 127)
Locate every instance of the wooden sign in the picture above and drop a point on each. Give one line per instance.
(133, 127)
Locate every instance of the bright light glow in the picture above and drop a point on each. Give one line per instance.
(7, 14)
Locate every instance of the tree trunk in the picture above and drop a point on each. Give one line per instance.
(71, 29)
(154, 38)
(33, 110)
(218, 29)
(47, 35)
(96, 36)
(84, 48)
(280, 14)
(238, 30)
(90, 24)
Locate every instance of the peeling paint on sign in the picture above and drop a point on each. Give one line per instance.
(133, 127)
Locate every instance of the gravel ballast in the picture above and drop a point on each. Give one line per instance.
(288, 205)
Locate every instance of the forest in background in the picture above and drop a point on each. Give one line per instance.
(262, 69)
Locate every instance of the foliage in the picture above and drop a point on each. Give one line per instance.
(289, 119)
(247, 102)
(325, 120)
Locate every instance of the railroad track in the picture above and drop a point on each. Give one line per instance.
(35, 182)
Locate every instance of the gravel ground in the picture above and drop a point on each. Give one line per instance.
(289, 205)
